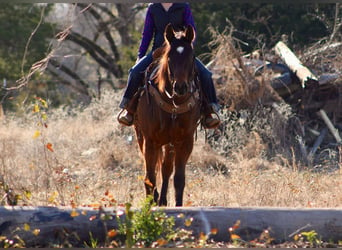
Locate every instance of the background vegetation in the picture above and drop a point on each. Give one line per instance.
(79, 155)
(60, 143)
(81, 49)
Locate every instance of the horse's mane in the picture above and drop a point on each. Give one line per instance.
(163, 73)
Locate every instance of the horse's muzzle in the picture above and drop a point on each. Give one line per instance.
(180, 89)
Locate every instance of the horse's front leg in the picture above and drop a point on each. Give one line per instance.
(151, 154)
(167, 169)
(183, 152)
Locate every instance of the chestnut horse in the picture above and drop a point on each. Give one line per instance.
(167, 115)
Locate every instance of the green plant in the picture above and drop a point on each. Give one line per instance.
(128, 226)
(16, 242)
(9, 197)
(40, 107)
(311, 237)
(235, 238)
(93, 242)
(54, 183)
(146, 226)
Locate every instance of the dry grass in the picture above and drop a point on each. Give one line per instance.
(94, 154)
(250, 161)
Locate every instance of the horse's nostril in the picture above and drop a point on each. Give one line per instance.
(181, 89)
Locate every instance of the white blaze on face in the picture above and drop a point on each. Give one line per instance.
(180, 49)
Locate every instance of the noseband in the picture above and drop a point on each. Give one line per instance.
(190, 83)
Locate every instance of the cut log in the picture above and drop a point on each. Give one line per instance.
(61, 225)
(306, 77)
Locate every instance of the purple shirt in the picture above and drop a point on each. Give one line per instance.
(150, 30)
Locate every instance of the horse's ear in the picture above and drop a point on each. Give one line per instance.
(190, 33)
(169, 34)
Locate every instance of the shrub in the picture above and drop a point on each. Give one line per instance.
(147, 225)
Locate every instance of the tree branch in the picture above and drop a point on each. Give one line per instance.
(104, 60)
(337, 22)
(80, 87)
(103, 26)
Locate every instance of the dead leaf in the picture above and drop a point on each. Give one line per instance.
(188, 222)
(74, 213)
(235, 237)
(27, 227)
(36, 134)
(112, 233)
(36, 231)
(214, 231)
(49, 146)
(36, 108)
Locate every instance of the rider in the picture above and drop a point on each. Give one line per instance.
(157, 17)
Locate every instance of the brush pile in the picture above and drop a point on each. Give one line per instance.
(290, 101)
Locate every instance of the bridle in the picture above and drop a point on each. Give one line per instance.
(167, 102)
(191, 84)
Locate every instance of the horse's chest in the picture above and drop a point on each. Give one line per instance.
(172, 131)
(162, 127)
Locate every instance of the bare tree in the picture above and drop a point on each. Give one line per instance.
(91, 46)
(337, 22)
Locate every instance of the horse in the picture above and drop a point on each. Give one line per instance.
(168, 113)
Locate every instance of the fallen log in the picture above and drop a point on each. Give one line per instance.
(60, 225)
(306, 77)
(328, 78)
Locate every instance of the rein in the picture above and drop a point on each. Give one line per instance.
(184, 107)
(166, 105)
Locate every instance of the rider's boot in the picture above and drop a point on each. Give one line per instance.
(211, 118)
(125, 117)
(128, 108)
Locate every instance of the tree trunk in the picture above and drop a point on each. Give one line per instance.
(61, 225)
(2, 114)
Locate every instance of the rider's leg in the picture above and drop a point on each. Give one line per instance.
(135, 79)
(205, 77)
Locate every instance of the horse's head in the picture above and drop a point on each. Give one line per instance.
(176, 72)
